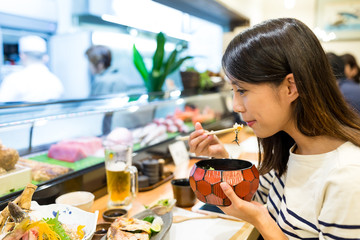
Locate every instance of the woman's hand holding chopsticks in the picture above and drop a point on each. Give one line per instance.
(235, 128)
(204, 144)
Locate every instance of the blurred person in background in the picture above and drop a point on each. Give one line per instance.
(349, 89)
(337, 65)
(106, 78)
(34, 83)
(352, 70)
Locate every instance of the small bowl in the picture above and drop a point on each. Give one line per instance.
(111, 214)
(206, 176)
(183, 193)
(101, 230)
(80, 199)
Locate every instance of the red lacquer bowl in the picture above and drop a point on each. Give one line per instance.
(242, 175)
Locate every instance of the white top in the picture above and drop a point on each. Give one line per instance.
(318, 197)
(35, 83)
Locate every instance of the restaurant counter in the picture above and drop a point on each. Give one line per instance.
(246, 231)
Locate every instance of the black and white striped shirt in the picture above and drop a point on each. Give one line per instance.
(318, 197)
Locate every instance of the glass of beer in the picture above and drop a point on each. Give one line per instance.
(121, 176)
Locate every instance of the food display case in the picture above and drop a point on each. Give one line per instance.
(31, 129)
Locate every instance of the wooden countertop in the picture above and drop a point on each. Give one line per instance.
(165, 191)
(148, 197)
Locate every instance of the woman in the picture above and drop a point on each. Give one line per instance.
(106, 78)
(348, 87)
(352, 70)
(310, 140)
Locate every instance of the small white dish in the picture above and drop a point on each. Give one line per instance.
(69, 215)
(80, 199)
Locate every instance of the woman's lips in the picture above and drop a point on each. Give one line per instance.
(250, 123)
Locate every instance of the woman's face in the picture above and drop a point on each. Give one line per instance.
(265, 108)
(350, 73)
(96, 69)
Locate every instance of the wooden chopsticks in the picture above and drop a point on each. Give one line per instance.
(226, 130)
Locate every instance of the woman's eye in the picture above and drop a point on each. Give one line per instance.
(241, 91)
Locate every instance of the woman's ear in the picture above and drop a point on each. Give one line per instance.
(292, 92)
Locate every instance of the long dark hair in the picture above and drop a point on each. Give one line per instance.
(266, 53)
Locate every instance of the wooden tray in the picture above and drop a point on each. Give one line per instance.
(168, 176)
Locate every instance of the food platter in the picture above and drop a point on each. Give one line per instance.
(49, 221)
(67, 215)
(167, 219)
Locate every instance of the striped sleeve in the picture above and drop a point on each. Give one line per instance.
(340, 214)
(264, 187)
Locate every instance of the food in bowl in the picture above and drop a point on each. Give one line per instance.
(206, 176)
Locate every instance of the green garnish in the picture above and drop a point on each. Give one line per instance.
(156, 225)
(207, 167)
(164, 202)
(57, 227)
(149, 218)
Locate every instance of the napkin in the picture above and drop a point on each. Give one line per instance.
(210, 229)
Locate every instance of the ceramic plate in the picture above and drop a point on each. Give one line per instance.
(167, 219)
(69, 215)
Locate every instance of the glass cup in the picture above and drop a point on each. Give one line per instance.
(121, 176)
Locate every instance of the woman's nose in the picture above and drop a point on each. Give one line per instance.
(238, 106)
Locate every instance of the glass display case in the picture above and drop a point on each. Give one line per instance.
(31, 129)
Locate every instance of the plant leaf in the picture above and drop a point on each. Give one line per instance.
(171, 65)
(166, 68)
(159, 53)
(170, 61)
(178, 64)
(150, 85)
(140, 65)
(156, 79)
(158, 58)
(160, 82)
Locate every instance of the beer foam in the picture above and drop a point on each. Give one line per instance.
(116, 166)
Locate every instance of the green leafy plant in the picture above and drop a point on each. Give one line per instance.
(205, 80)
(155, 77)
(190, 69)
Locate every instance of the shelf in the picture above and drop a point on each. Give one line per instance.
(116, 25)
(209, 10)
(10, 21)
